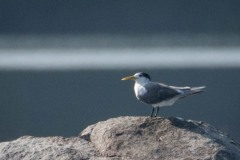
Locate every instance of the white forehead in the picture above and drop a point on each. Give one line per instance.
(137, 74)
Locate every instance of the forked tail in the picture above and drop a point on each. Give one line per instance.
(187, 91)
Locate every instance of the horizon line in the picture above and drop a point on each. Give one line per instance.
(127, 58)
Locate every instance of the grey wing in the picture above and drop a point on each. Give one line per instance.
(157, 92)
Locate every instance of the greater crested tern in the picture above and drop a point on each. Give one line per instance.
(159, 94)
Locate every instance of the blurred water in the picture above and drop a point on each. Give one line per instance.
(48, 103)
(124, 58)
(60, 91)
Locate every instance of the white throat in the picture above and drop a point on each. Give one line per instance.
(139, 88)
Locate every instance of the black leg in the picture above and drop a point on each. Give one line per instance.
(152, 111)
(157, 112)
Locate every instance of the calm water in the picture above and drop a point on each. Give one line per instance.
(50, 103)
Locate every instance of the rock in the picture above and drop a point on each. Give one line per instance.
(34, 148)
(129, 138)
(160, 138)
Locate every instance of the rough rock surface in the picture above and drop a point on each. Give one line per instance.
(35, 148)
(160, 138)
(130, 138)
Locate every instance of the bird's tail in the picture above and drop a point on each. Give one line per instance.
(187, 91)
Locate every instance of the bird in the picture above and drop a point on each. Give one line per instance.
(158, 94)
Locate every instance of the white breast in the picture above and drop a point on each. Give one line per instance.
(139, 90)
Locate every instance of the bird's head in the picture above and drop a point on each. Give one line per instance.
(139, 77)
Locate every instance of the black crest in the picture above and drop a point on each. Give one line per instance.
(145, 75)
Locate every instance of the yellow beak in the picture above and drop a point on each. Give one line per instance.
(128, 78)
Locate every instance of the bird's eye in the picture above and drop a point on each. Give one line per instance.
(140, 75)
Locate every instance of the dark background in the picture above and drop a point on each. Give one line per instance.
(53, 103)
(119, 17)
